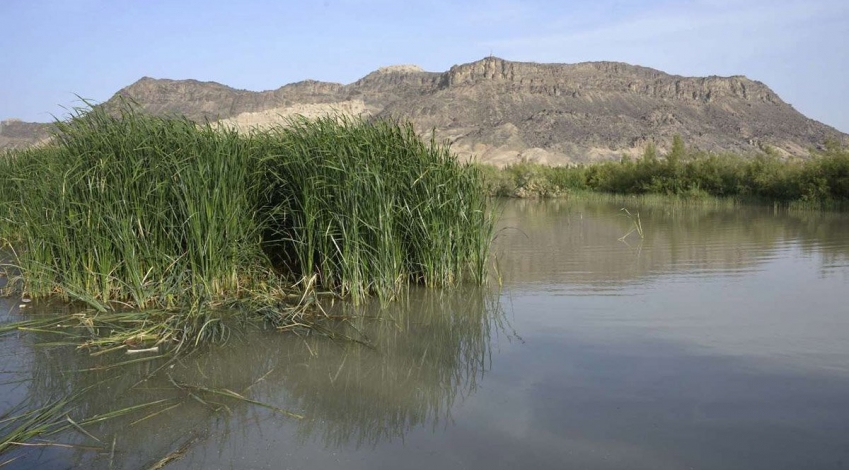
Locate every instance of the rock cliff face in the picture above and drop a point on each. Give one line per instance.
(504, 110)
(501, 111)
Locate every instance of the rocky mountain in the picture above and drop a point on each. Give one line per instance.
(501, 111)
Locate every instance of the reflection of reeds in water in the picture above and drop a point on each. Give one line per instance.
(669, 201)
(403, 367)
(575, 241)
(426, 355)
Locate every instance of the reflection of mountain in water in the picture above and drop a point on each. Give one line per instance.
(412, 362)
(577, 242)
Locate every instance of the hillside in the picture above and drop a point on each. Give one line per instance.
(502, 111)
(18, 134)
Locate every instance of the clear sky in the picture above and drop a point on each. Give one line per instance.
(52, 50)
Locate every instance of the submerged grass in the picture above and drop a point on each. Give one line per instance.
(54, 418)
(34, 423)
(182, 221)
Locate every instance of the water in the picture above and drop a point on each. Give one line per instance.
(717, 341)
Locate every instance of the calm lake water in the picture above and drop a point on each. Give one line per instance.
(720, 340)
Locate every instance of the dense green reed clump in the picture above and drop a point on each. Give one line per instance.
(366, 208)
(146, 211)
(821, 181)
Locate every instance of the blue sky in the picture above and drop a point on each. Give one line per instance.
(53, 50)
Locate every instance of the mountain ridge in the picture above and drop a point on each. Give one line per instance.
(502, 111)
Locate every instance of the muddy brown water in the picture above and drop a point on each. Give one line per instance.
(717, 341)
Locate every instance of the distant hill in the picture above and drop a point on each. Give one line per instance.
(15, 133)
(502, 111)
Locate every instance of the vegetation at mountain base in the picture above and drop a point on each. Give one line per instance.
(820, 181)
